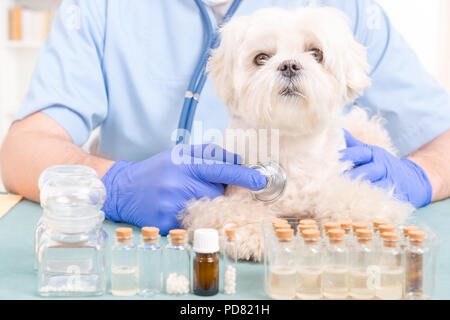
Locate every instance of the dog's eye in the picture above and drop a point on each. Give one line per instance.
(261, 59)
(317, 54)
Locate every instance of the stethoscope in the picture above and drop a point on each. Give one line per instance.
(198, 79)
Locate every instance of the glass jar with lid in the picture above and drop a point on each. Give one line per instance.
(70, 241)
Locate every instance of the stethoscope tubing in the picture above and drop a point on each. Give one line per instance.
(199, 77)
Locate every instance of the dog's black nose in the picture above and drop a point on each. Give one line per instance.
(290, 68)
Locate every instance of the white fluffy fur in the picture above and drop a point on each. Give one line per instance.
(310, 126)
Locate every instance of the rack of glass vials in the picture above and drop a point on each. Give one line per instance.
(342, 259)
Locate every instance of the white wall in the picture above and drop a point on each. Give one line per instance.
(419, 22)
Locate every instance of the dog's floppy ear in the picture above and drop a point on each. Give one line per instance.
(349, 58)
(356, 70)
(223, 59)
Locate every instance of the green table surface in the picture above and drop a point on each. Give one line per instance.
(18, 280)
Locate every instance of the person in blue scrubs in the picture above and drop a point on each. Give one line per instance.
(124, 66)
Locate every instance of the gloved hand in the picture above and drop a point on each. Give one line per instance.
(152, 192)
(409, 181)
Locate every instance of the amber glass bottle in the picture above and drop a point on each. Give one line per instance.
(206, 262)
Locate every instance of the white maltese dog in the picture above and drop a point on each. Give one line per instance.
(294, 71)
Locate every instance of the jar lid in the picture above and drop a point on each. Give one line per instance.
(206, 241)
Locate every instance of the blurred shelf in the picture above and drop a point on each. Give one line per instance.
(10, 44)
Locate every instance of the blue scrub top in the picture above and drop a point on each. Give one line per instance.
(125, 66)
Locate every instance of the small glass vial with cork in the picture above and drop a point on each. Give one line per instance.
(391, 268)
(124, 264)
(282, 270)
(229, 262)
(302, 228)
(404, 242)
(335, 275)
(310, 266)
(177, 262)
(206, 262)
(418, 271)
(150, 259)
(364, 273)
(376, 224)
(346, 225)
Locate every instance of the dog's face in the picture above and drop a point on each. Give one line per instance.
(292, 71)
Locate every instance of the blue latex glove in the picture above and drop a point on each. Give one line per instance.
(409, 181)
(152, 192)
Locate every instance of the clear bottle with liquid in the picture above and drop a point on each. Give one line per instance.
(418, 267)
(124, 264)
(70, 241)
(177, 263)
(364, 275)
(391, 268)
(310, 266)
(276, 182)
(150, 261)
(282, 269)
(335, 275)
(229, 262)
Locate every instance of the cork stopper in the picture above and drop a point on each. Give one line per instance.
(331, 226)
(364, 236)
(281, 226)
(336, 236)
(386, 228)
(307, 222)
(311, 234)
(279, 221)
(230, 234)
(377, 223)
(346, 223)
(360, 225)
(124, 234)
(408, 229)
(177, 236)
(390, 239)
(416, 238)
(303, 227)
(150, 234)
(285, 234)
